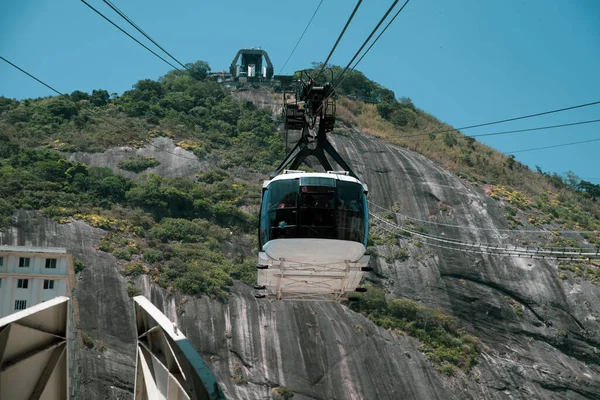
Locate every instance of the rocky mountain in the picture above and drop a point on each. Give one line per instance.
(531, 325)
(325, 350)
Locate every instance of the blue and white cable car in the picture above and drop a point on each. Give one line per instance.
(313, 226)
(314, 218)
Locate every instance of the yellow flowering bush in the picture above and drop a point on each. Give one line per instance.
(102, 222)
(512, 196)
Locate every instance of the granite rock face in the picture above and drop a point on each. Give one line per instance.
(553, 348)
(174, 161)
(105, 310)
(324, 350)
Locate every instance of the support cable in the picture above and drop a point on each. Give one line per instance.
(88, 109)
(537, 249)
(579, 252)
(375, 41)
(140, 30)
(367, 40)
(301, 36)
(338, 39)
(341, 78)
(516, 118)
(125, 32)
(478, 228)
(539, 128)
(484, 252)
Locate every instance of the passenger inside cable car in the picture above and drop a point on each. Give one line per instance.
(314, 207)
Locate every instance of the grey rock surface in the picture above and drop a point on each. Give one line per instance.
(105, 310)
(262, 98)
(559, 332)
(324, 350)
(174, 161)
(320, 350)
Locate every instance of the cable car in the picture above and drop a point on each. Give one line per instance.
(314, 217)
(313, 225)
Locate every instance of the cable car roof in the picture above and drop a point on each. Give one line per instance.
(293, 174)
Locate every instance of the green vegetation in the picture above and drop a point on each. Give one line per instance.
(175, 230)
(238, 377)
(138, 164)
(90, 343)
(393, 250)
(78, 265)
(355, 84)
(517, 307)
(397, 253)
(283, 392)
(87, 340)
(197, 113)
(590, 273)
(444, 343)
(131, 290)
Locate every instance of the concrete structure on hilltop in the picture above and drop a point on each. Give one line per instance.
(32, 275)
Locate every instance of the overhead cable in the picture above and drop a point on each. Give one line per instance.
(339, 38)
(88, 109)
(551, 251)
(366, 41)
(517, 118)
(553, 146)
(140, 30)
(31, 76)
(301, 36)
(539, 128)
(378, 36)
(125, 32)
(341, 78)
(479, 228)
(492, 253)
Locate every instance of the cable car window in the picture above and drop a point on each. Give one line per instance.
(314, 207)
(351, 212)
(317, 197)
(282, 194)
(317, 181)
(279, 210)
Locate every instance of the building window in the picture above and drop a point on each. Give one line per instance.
(48, 284)
(24, 261)
(0, 283)
(50, 262)
(22, 283)
(20, 304)
(1, 261)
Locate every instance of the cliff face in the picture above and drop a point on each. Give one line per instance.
(105, 311)
(319, 350)
(325, 351)
(174, 161)
(553, 347)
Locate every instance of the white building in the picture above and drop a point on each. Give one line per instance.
(32, 275)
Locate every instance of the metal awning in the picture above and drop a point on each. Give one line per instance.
(33, 352)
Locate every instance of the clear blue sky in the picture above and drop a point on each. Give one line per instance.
(464, 61)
